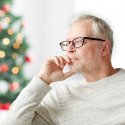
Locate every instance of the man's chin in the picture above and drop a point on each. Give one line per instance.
(74, 69)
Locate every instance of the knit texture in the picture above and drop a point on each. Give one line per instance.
(83, 103)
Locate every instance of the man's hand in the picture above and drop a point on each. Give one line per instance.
(52, 69)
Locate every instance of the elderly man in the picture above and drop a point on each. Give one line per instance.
(98, 100)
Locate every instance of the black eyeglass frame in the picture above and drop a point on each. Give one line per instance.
(98, 39)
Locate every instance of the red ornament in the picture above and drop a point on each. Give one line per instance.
(4, 68)
(6, 8)
(0, 69)
(28, 59)
(4, 106)
(14, 86)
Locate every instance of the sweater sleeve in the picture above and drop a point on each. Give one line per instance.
(23, 109)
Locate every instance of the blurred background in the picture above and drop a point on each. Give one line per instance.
(45, 24)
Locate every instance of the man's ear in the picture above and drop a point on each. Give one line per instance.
(106, 48)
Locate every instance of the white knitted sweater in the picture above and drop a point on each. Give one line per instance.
(95, 103)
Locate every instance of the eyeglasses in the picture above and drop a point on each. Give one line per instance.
(77, 42)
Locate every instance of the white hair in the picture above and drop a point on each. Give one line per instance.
(100, 28)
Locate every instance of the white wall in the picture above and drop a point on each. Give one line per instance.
(46, 25)
(113, 12)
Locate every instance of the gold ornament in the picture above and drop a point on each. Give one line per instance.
(14, 55)
(16, 45)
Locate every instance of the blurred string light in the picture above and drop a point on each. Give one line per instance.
(18, 42)
(2, 54)
(7, 20)
(10, 31)
(6, 41)
(15, 70)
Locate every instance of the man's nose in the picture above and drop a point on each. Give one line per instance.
(70, 48)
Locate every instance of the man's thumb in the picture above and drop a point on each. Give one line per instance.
(68, 74)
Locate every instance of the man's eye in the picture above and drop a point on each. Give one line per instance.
(65, 44)
(78, 42)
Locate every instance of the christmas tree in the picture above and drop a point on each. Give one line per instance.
(13, 48)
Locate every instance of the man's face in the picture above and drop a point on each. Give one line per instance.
(87, 57)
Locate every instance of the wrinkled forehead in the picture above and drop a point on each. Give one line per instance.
(80, 29)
